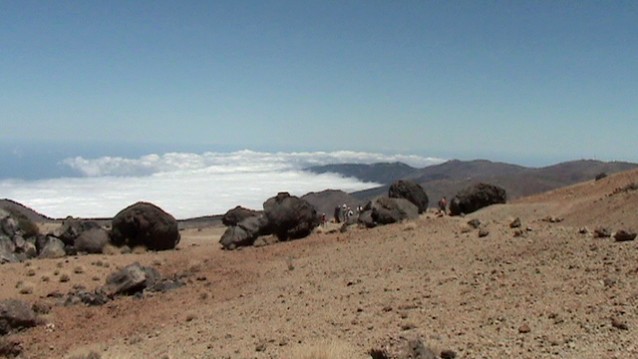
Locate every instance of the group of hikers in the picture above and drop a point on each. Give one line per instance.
(343, 213)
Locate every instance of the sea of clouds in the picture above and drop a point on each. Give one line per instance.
(189, 184)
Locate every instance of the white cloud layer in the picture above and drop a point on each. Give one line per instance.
(187, 184)
(245, 161)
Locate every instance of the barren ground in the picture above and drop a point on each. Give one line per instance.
(551, 292)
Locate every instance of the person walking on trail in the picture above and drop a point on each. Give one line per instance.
(443, 205)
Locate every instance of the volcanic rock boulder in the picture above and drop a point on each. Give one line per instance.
(91, 241)
(365, 219)
(385, 210)
(52, 248)
(411, 191)
(476, 197)
(238, 214)
(245, 232)
(16, 315)
(130, 279)
(7, 249)
(290, 217)
(145, 224)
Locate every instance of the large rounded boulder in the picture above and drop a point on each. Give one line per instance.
(290, 217)
(411, 191)
(145, 224)
(475, 197)
(91, 241)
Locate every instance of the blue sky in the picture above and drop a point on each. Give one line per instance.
(527, 82)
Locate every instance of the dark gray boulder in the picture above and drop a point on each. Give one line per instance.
(92, 240)
(417, 350)
(290, 217)
(411, 191)
(365, 219)
(7, 249)
(16, 315)
(476, 197)
(385, 210)
(8, 224)
(245, 233)
(52, 248)
(238, 214)
(145, 224)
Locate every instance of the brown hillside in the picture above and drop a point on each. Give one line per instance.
(13, 206)
(543, 290)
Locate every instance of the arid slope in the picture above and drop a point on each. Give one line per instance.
(543, 290)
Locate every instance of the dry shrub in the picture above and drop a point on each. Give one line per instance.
(111, 250)
(409, 226)
(139, 249)
(325, 350)
(94, 354)
(90, 355)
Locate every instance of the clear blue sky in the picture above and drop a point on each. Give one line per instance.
(504, 80)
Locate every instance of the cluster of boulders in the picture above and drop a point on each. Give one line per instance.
(284, 216)
(132, 280)
(621, 235)
(406, 200)
(141, 224)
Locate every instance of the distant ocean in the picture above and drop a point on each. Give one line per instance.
(93, 180)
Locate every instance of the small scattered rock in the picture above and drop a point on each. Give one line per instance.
(26, 288)
(10, 348)
(602, 232)
(483, 232)
(524, 329)
(624, 236)
(619, 324)
(378, 354)
(448, 354)
(474, 223)
(417, 350)
(552, 219)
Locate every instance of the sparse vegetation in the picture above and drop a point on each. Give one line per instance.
(90, 355)
(325, 350)
(378, 354)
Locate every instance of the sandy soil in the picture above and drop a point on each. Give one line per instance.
(540, 291)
